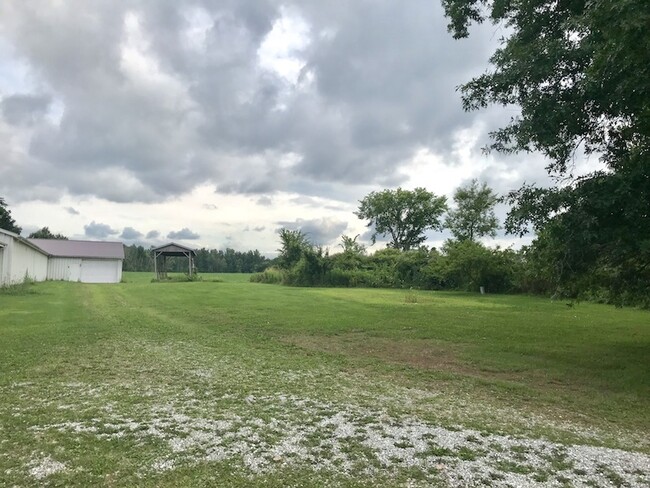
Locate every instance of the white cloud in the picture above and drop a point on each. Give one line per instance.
(281, 51)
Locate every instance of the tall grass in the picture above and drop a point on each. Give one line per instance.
(22, 288)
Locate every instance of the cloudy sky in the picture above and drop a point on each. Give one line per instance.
(214, 123)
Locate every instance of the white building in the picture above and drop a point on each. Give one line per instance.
(58, 259)
(85, 261)
(20, 259)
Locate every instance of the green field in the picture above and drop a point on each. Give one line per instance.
(229, 383)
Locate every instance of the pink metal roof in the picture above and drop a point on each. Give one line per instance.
(80, 249)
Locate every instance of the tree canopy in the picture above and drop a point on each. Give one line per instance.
(45, 233)
(404, 215)
(6, 221)
(579, 72)
(473, 216)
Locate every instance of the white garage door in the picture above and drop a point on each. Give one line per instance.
(98, 271)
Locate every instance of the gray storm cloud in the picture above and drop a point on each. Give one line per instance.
(99, 230)
(183, 234)
(130, 234)
(24, 109)
(160, 97)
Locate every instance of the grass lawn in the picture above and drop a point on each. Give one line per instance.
(229, 383)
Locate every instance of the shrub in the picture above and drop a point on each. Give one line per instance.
(273, 275)
(311, 270)
(468, 265)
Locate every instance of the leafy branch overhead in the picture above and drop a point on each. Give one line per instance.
(578, 70)
(402, 215)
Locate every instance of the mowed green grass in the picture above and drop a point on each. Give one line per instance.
(72, 353)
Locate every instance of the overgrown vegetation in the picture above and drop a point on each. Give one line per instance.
(459, 265)
(26, 286)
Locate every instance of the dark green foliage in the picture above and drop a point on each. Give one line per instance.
(301, 263)
(6, 221)
(404, 215)
(473, 216)
(293, 244)
(352, 256)
(137, 258)
(579, 72)
(468, 265)
(578, 69)
(230, 261)
(465, 265)
(45, 233)
(312, 269)
(594, 237)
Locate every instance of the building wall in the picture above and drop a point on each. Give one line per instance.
(19, 261)
(2, 262)
(66, 269)
(4, 258)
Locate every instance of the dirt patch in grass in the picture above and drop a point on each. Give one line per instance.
(419, 353)
(427, 354)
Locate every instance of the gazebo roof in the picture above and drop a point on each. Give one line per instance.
(173, 249)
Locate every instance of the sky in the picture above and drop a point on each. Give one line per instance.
(216, 123)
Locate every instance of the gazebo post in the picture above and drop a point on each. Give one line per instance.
(155, 264)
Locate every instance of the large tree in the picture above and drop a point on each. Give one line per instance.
(6, 221)
(473, 216)
(579, 72)
(404, 215)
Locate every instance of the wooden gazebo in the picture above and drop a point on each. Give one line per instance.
(171, 250)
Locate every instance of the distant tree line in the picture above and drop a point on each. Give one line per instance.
(137, 258)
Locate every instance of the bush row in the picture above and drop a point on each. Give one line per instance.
(462, 265)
